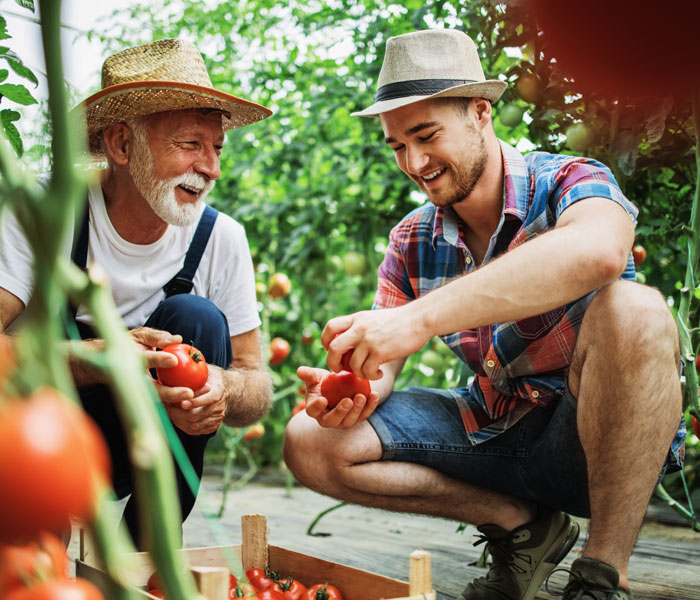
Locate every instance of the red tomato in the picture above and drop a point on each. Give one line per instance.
(246, 591)
(270, 594)
(20, 565)
(323, 591)
(232, 581)
(52, 457)
(639, 253)
(695, 424)
(336, 386)
(254, 432)
(64, 589)
(191, 370)
(292, 589)
(279, 350)
(279, 285)
(157, 592)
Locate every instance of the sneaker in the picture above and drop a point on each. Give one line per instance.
(522, 558)
(593, 579)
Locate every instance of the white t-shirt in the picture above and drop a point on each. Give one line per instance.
(138, 272)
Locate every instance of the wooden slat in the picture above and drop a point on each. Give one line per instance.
(254, 532)
(212, 582)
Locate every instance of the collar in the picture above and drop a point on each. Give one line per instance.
(516, 199)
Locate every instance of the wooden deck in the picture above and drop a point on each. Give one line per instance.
(665, 564)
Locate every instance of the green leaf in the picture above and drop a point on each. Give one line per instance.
(7, 118)
(3, 29)
(3, 74)
(17, 93)
(29, 4)
(19, 67)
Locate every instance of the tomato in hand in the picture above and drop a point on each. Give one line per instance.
(52, 458)
(336, 386)
(323, 591)
(191, 370)
(63, 589)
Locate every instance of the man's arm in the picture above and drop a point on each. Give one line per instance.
(10, 308)
(587, 249)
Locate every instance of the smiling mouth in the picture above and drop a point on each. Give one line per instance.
(192, 191)
(433, 175)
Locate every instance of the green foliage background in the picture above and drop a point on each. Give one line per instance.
(312, 183)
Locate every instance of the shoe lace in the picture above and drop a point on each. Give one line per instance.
(503, 555)
(577, 588)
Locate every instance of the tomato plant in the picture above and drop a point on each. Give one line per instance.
(191, 370)
(323, 591)
(64, 589)
(51, 456)
(279, 350)
(511, 114)
(336, 386)
(279, 286)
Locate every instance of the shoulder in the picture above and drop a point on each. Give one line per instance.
(561, 169)
(416, 225)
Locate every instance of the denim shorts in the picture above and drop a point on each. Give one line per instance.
(540, 458)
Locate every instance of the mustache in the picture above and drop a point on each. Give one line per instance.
(193, 180)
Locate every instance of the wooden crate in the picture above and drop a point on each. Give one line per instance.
(210, 568)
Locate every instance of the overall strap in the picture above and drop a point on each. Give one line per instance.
(80, 246)
(182, 282)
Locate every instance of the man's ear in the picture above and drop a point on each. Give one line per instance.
(483, 111)
(119, 143)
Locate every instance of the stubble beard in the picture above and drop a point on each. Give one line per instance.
(160, 193)
(466, 172)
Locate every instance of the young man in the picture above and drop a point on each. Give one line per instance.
(178, 270)
(522, 266)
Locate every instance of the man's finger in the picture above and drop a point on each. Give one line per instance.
(163, 360)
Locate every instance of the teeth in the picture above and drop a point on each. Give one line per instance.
(433, 175)
(194, 190)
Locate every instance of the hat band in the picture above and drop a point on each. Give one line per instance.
(419, 87)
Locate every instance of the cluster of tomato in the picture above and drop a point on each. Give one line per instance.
(46, 443)
(263, 584)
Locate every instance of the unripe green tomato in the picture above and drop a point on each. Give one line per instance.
(354, 263)
(511, 115)
(641, 278)
(579, 137)
(528, 87)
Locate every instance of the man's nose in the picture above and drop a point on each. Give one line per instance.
(416, 160)
(208, 164)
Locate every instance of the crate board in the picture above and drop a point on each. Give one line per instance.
(355, 584)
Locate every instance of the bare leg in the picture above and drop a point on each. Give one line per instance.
(346, 464)
(624, 373)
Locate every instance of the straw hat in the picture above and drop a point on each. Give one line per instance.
(434, 63)
(160, 76)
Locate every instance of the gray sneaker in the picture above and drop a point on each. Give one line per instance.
(593, 579)
(522, 558)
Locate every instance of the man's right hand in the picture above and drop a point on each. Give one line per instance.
(345, 414)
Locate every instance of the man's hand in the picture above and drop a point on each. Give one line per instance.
(376, 337)
(345, 414)
(200, 412)
(149, 340)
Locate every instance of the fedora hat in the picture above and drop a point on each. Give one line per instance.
(435, 63)
(160, 76)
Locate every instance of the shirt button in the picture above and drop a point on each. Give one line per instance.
(468, 260)
(490, 364)
(535, 394)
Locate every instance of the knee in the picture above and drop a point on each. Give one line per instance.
(300, 449)
(625, 313)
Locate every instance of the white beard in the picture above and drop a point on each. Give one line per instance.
(160, 193)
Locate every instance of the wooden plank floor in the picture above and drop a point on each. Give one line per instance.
(380, 541)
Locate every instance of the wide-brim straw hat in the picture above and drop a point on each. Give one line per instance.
(160, 76)
(435, 63)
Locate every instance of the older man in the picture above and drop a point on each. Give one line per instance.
(522, 266)
(178, 269)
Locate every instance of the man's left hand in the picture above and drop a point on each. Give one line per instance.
(204, 412)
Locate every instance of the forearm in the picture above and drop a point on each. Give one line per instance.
(248, 395)
(544, 273)
(385, 385)
(82, 371)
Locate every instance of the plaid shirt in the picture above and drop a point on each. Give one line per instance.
(519, 364)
